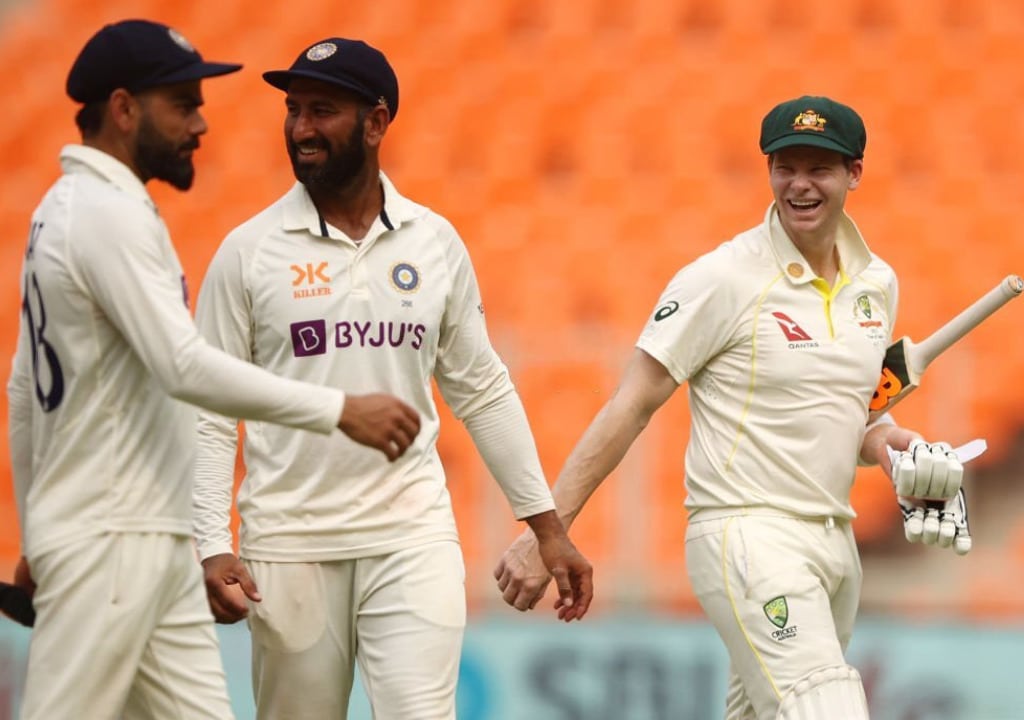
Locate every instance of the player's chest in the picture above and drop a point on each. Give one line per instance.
(368, 291)
(802, 335)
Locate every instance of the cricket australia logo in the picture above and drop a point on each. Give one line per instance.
(777, 611)
(863, 312)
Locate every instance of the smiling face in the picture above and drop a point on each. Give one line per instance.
(810, 186)
(325, 135)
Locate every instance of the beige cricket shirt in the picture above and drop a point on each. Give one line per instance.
(780, 368)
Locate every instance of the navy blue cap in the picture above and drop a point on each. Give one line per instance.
(351, 64)
(137, 55)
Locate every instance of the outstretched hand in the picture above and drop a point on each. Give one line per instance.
(573, 576)
(526, 568)
(380, 421)
(228, 584)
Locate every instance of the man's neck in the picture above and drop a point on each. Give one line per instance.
(353, 208)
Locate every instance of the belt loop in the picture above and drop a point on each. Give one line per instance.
(830, 522)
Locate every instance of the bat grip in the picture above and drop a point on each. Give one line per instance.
(1010, 287)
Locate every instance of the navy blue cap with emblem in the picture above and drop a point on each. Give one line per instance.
(350, 64)
(137, 55)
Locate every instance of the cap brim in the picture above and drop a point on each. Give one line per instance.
(196, 71)
(281, 79)
(807, 138)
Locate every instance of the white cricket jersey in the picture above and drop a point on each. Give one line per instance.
(780, 368)
(387, 314)
(98, 442)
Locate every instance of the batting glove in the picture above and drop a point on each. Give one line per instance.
(930, 471)
(937, 523)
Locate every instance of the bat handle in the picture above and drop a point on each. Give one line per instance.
(1012, 286)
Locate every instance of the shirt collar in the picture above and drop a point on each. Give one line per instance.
(301, 214)
(854, 255)
(78, 158)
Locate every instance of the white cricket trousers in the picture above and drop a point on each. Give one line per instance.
(123, 632)
(781, 591)
(400, 616)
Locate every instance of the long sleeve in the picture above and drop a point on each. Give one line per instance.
(476, 385)
(19, 396)
(502, 436)
(145, 302)
(224, 319)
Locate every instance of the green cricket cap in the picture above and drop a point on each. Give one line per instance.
(817, 121)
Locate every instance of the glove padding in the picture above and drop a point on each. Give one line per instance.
(937, 523)
(928, 471)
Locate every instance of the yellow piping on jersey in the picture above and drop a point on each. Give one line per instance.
(829, 294)
(736, 612)
(753, 374)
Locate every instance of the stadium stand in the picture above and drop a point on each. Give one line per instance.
(585, 151)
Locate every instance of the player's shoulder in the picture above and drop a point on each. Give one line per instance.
(735, 261)
(257, 228)
(99, 214)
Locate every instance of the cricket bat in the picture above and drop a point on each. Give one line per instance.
(905, 361)
(16, 604)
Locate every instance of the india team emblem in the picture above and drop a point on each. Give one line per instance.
(777, 611)
(405, 277)
(321, 51)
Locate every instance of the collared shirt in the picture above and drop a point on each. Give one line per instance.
(294, 295)
(98, 442)
(781, 368)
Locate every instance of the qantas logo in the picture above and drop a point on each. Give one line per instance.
(311, 280)
(797, 336)
(794, 333)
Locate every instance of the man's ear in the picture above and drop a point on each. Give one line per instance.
(124, 110)
(375, 124)
(856, 173)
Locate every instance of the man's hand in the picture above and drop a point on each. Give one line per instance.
(573, 576)
(930, 471)
(522, 582)
(228, 584)
(521, 575)
(16, 597)
(380, 421)
(937, 523)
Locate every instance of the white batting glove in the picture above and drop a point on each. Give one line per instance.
(930, 471)
(937, 523)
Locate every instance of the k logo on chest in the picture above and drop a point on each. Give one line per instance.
(310, 280)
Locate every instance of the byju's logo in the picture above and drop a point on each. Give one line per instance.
(309, 338)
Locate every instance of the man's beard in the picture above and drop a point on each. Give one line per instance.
(339, 169)
(157, 157)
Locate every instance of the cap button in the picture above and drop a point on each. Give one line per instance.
(795, 269)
